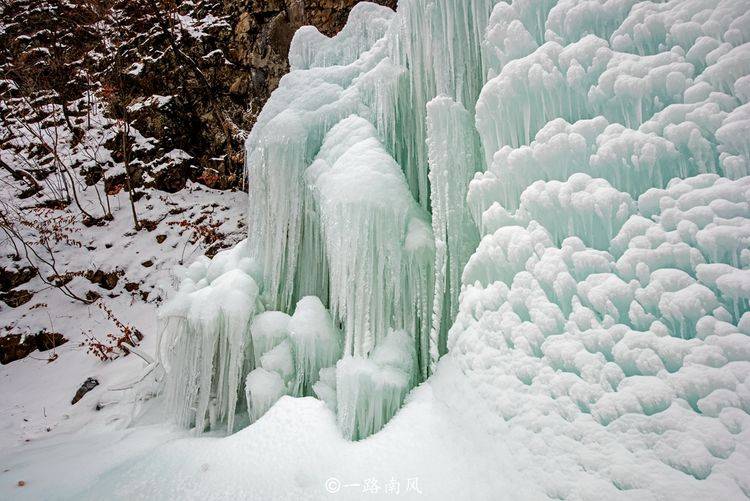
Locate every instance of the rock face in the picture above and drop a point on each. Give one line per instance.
(187, 78)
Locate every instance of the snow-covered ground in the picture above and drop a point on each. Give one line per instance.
(36, 393)
(430, 450)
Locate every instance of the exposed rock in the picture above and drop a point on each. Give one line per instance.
(49, 340)
(10, 278)
(188, 111)
(106, 280)
(17, 346)
(16, 298)
(86, 387)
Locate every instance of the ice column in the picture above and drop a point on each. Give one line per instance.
(453, 148)
(205, 340)
(438, 42)
(378, 242)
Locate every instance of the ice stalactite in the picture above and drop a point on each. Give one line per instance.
(630, 160)
(454, 155)
(367, 392)
(551, 82)
(378, 243)
(571, 20)
(506, 39)
(583, 206)
(205, 339)
(438, 42)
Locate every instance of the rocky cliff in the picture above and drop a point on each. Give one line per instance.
(157, 91)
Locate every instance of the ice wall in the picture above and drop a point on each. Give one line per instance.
(603, 316)
(563, 185)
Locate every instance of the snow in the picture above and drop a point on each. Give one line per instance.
(294, 451)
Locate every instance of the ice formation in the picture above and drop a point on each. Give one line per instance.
(290, 353)
(554, 193)
(366, 392)
(376, 241)
(205, 339)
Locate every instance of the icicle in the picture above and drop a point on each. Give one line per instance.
(454, 156)
(370, 391)
(205, 329)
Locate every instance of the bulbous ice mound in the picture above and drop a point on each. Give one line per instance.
(604, 316)
(585, 164)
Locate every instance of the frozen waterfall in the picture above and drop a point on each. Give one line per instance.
(555, 195)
